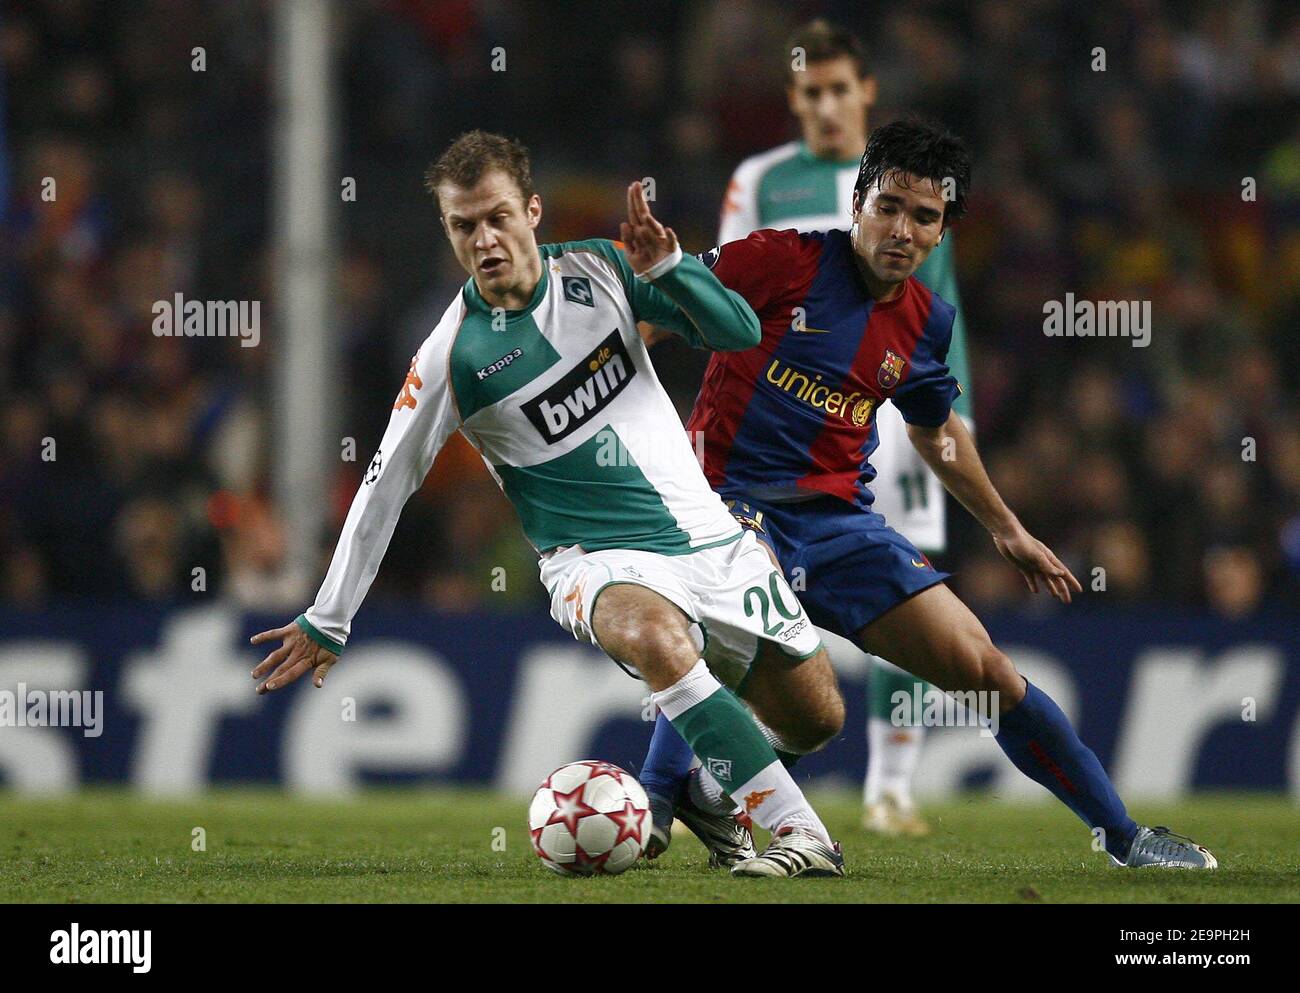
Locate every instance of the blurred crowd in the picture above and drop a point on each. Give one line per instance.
(139, 466)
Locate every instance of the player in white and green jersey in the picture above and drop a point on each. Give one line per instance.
(538, 363)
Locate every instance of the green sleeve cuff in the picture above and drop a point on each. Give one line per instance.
(327, 643)
(725, 321)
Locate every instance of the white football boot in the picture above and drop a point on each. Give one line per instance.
(794, 852)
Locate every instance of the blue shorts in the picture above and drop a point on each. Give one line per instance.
(853, 565)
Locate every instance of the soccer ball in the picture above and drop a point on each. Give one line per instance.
(589, 818)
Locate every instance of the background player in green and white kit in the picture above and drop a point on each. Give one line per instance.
(538, 363)
(808, 185)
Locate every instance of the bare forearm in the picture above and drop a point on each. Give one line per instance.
(949, 450)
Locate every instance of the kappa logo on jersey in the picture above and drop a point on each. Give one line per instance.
(577, 289)
(584, 391)
(500, 363)
(406, 398)
(891, 370)
(710, 258)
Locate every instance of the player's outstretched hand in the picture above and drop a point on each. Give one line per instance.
(1037, 562)
(296, 655)
(645, 240)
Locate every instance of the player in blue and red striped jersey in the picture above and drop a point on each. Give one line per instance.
(788, 431)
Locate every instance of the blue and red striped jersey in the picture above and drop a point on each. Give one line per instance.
(795, 416)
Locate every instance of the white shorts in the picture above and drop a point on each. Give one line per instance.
(733, 595)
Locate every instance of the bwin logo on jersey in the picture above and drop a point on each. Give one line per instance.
(584, 391)
(578, 289)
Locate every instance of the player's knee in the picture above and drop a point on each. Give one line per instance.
(993, 672)
(829, 721)
(817, 726)
(981, 665)
(1002, 677)
(667, 645)
(650, 641)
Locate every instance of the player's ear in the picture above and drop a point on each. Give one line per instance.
(534, 210)
(857, 202)
(869, 91)
(791, 92)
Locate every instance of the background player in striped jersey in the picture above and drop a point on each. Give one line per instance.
(807, 185)
(788, 437)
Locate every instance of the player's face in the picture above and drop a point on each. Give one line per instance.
(896, 225)
(831, 103)
(491, 227)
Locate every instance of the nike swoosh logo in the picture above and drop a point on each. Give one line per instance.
(920, 565)
(807, 330)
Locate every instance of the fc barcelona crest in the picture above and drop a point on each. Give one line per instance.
(891, 370)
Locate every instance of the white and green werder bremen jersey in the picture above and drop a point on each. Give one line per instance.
(790, 187)
(562, 402)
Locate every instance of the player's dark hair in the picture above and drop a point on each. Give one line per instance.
(475, 153)
(821, 41)
(923, 149)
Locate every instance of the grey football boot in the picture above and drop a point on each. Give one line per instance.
(1159, 846)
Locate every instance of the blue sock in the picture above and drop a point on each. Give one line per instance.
(1038, 738)
(668, 762)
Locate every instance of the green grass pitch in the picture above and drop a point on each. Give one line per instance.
(444, 846)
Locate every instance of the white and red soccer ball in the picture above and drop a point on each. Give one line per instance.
(589, 818)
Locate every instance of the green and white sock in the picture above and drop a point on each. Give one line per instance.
(722, 732)
(707, 793)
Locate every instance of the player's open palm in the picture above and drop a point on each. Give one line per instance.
(645, 240)
(296, 655)
(1036, 563)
